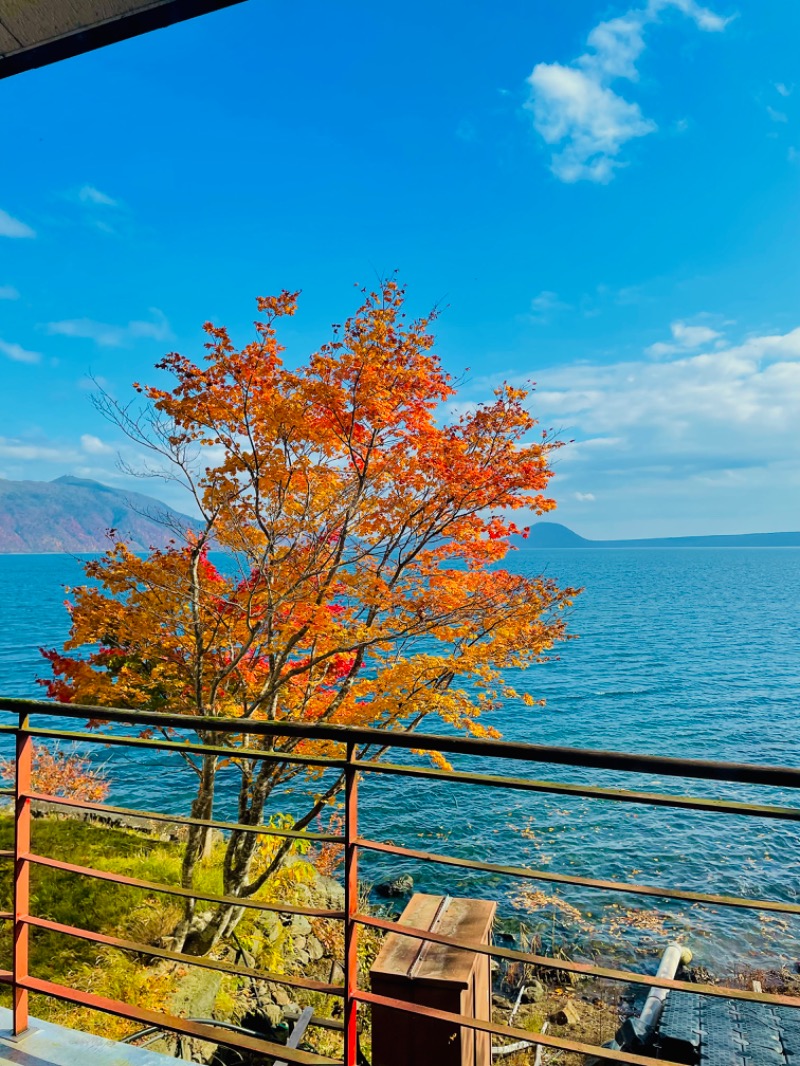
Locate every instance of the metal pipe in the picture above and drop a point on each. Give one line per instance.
(22, 845)
(636, 1033)
(351, 910)
(647, 1021)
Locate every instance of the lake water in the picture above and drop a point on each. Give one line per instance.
(685, 652)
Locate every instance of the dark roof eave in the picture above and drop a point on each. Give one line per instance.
(107, 32)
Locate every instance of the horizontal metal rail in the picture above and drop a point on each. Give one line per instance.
(203, 961)
(705, 769)
(363, 751)
(225, 752)
(586, 969)
(178, 890)
(563, 788)
(558, 1043)
(199, 1030)
(180, 819)
(584, 882)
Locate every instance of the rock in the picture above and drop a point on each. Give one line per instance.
(533, 993)
(301, 926)
(314, 948)
(400, 886)
(501, 1002)
(700, 975)
(567, 1014)
(329, 892)
(273, 1014)
(270, 926)
(566, 977)
(280, 995)
(301, 957)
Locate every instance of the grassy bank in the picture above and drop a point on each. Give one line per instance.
(99, 907)
(133, 914)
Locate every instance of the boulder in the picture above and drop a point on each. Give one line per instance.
(533, 993)
(399, 886)
(567, 1014)
(314, 948)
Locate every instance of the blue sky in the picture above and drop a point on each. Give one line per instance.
(603, 198)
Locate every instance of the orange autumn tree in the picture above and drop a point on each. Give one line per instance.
(358, 531)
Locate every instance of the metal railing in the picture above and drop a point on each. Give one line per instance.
(353, 764)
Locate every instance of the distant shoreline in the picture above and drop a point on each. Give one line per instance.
(623, 546)
(554, 535)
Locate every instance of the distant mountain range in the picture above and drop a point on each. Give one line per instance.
(73, 515)
(554, 535)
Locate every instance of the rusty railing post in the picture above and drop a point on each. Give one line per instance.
(350, 909)
(22, 847)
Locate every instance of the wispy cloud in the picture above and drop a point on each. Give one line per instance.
(701, 442)
(90, 195)
(18, 354)
(8, 292)
(105, 335)
(546, 304)
(777, 116)
(700, 412)
(12, 227)
(11, 448)
(684, 338)
(92, 445)
(783, 89)
(577, 113)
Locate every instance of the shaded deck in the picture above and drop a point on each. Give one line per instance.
(716, 1032)
(46, 1044)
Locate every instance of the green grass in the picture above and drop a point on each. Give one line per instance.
(98, 906)
(139, 915)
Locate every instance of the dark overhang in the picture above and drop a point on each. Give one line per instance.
(34, 33)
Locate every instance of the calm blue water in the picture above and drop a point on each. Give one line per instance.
(686, 652)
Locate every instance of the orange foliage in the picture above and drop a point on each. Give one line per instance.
(361, 532)
(347, 567)
(58, 773)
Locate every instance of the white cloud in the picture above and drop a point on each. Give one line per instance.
(8, 292)
(109, 336)
(738, 405)
(575, 110)
(12, 227)
(546, 303)
(19, 354)
(684, 338)
(90, 195)
(92, 445)
(777, 116)
(17, 449)
(782, 89)
(592, 123)
(584, 497)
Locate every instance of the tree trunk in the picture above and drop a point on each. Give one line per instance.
(198, 844)
(206, 929)
(210, 927)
